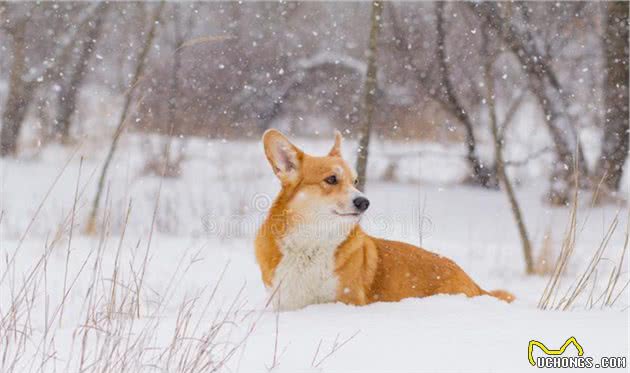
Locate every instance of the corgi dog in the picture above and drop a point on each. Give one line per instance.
(311, 249)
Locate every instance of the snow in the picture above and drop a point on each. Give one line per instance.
(169, 282)
(205, 225)
(442, 333)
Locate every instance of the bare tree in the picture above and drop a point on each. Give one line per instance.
(70, 87)
(498, 132)
(25, 78)
(20, 91)
(369, 94)
(481, 174)
(546, 87)
(616, 128)
(138, 71)
(442, 91)
(164, 156)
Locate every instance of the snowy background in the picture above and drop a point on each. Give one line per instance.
(166, 279)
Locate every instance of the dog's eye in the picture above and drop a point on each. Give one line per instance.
(356, 181)
(332, 180)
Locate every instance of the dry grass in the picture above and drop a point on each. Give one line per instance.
(114, 325)
(334, 348)
(587, 289)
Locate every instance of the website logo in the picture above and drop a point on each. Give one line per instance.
(554, 358)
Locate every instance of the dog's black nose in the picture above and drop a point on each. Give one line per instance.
(361, 203)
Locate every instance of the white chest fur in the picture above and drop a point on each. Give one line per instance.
(306, 272)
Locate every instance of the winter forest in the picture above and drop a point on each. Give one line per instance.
(133, 179)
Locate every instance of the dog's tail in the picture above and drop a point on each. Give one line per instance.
(503, 295)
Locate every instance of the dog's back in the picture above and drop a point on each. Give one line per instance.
(408, 271)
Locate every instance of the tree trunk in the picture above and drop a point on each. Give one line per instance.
(23, 83)
(67, 97)
(146, 48)
(370, 95)
(19, 97)
(616, 127)
(481, 174)
(498, 137)
(173, 90)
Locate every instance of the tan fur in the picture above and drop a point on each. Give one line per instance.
(367, 269)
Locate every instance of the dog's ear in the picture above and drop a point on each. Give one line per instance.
(284, 157)
(336, 149)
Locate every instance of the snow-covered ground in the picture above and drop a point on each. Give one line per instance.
(200, 251)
